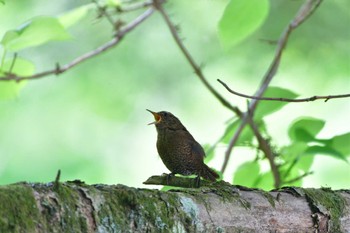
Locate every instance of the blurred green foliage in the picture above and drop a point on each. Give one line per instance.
(90, 122)
(240, 19)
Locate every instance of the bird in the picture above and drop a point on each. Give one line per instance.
(179, 151)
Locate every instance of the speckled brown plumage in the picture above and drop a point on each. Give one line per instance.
(179, 151)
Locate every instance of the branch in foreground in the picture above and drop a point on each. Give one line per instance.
(313, 98)
(59, 70)
(77, 207)
(304, 12)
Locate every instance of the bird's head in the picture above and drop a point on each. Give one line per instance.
(165, 119)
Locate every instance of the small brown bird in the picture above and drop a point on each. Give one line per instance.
(179, 151)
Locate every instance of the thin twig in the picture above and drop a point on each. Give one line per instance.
(87, 55)
(13, 62)
(189, 58)
(313, 98)
(298, 178)
(304, 12)
(103, 12)
(135, 6)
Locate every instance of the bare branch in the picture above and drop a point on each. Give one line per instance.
(313, 98)
(78, 60)
(304, 12)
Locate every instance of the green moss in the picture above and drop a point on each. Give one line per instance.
(230, 193)
(67, 198)
(130, 207)
(17, 208)
(59, 207)
(328, 203)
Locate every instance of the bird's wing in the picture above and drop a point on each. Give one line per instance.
(197, 150)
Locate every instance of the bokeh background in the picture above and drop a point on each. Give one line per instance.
(91, 121)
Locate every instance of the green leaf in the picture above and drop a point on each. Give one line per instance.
(305, 162)
(244, 139)
(247, 174)
(293, 151)
(292, 174)
(325, 151)
(240, 19)
(10, 89)
(36, 31)
(265, 107)
(265, 181)
(21, 67)
(72, 17)
(341, 143)
(305, 129)
(296, 159)
(209, 152)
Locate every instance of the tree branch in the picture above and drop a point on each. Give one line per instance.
(59, 70)
(78, 207)
(313, 98)
(304, 12)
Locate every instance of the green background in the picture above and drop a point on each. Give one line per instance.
(91, 121)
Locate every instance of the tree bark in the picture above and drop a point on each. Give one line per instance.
(218, 207)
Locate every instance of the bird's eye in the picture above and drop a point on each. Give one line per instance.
(165, 114)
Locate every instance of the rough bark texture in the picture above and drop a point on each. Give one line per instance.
(220, 207)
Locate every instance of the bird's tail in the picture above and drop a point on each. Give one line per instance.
(208, 173)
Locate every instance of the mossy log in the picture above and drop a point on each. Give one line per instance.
(217, 207)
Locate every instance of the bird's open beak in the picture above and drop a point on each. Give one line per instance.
(156, 117)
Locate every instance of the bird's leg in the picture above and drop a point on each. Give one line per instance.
(197, 181)
(168, 177)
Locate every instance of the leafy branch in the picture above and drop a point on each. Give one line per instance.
(112, 43)
(304, 12)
